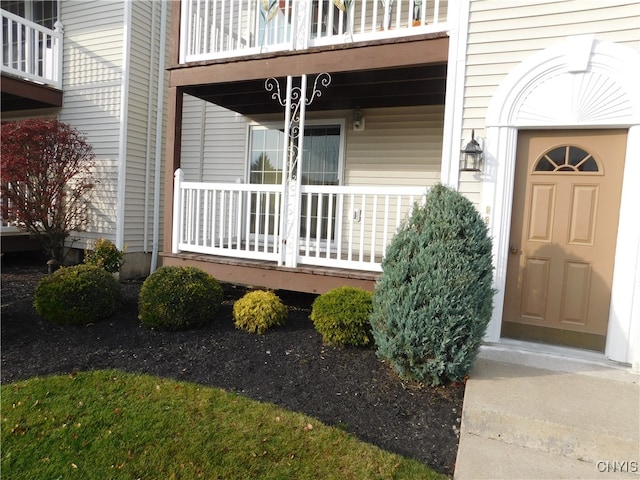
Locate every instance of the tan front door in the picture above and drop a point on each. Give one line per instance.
(563, 234)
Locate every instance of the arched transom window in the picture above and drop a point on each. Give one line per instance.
(567, 158)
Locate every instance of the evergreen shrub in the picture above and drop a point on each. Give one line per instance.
(258, 311)
(434, 299)
(105, 255)
(178, 298)
(341, 316)
(77, 295)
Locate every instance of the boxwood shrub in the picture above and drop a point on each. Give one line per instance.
(105, 255)
(258, 311)
(78, 295)
(178, 298)
(341, 316)
(434, 299)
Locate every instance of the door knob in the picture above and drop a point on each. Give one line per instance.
(513, 249)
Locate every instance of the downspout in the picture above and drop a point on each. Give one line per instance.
(159, 130)
(124, 113)
(148, 126)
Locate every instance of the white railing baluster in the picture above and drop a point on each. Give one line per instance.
(363, 224)
(385, 228)
(214, 212)
(307, 226)
(267, 220)
(339, 224)
(374, 224)
(256, 223)
(222, 217)
(319, 224)
(329, 225)
(352, 212)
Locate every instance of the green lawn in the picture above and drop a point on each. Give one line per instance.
(113, 425)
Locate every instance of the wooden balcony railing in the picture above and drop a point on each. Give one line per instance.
(214, 29)
(31, 51)
(337, 226)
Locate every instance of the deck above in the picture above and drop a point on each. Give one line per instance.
(227, 29)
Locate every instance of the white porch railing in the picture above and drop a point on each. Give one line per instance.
(31, 51)
(351, 226)
(212, 29)
(339, 226)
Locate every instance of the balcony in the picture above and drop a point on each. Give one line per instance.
(31, 63)
(219, 29)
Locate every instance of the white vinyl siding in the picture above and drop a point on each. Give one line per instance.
(503, 34)
(214, 142)
(399, 146)
(144, 57)
(92, 73)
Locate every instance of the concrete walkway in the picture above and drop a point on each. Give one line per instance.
(530, 415)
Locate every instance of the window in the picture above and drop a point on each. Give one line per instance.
(321, 165)
(567, 158)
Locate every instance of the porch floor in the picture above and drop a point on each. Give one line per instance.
(257, 273)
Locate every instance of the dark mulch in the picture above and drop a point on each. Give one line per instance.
(288, 366)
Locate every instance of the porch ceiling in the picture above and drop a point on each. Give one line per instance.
(388, 87)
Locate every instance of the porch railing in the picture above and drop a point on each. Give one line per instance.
(338, 226)
(212, 29)
(31, 51)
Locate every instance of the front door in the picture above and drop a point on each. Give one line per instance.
(565, 219)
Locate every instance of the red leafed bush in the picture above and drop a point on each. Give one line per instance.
(45, 180)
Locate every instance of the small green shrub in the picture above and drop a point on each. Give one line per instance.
(257, 311)
(178, 298)
(77, 295)
(341, 316)
(105, 255)
(434, 299)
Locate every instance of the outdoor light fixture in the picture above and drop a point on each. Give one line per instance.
(471, 156)
(358, 120)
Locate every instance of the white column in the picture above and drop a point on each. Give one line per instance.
(623, 334)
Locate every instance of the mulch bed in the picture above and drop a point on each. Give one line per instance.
(288, 366)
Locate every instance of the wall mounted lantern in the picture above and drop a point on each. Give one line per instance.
(471, 156)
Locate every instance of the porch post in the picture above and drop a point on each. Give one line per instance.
(284, 217)
(295, 104)
(177, 210)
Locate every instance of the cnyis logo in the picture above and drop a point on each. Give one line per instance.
(616, 466)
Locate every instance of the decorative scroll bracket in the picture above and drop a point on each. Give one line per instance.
(296, 99)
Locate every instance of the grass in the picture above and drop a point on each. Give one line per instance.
(115, 425)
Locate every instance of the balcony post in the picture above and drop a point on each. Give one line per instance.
(301, 24)
(58, 49)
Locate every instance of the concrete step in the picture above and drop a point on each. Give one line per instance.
(527, 414)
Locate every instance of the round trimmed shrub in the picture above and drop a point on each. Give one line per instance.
(77, 295)
(178, 298)
(341, 316)
(434, 299)
(105, 255)
(258, 311)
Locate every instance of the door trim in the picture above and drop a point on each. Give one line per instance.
(509, 111)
